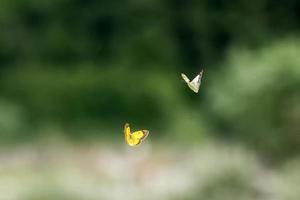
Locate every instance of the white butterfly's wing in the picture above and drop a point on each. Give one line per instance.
(194, 86)
(191, 85)
(200, 74)
(196, 82)
(196, 79)
(185, 78)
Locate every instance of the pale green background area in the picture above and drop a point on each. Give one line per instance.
(73, 72)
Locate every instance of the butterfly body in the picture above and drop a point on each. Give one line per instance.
(195, 83)
(136, 137)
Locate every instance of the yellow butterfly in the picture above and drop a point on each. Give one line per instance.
(135, 138)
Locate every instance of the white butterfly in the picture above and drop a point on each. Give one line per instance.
(195, 83)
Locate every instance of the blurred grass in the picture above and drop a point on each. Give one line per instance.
(218, 171)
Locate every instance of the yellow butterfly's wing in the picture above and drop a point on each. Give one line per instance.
(135, 138)
(138, 136)
(127, 133)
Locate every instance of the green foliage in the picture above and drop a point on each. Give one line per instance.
(88, 96)
(11, 120)
(89, 66)
(257, 99)
(165, 32)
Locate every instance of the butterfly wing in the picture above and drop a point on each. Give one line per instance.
(138, 137)
(200, 76)
(191, 85)
(127, 133)
(196, 82)
(185, 78)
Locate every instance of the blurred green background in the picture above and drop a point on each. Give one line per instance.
(72, 72)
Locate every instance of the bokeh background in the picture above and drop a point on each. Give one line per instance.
(72, 72)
